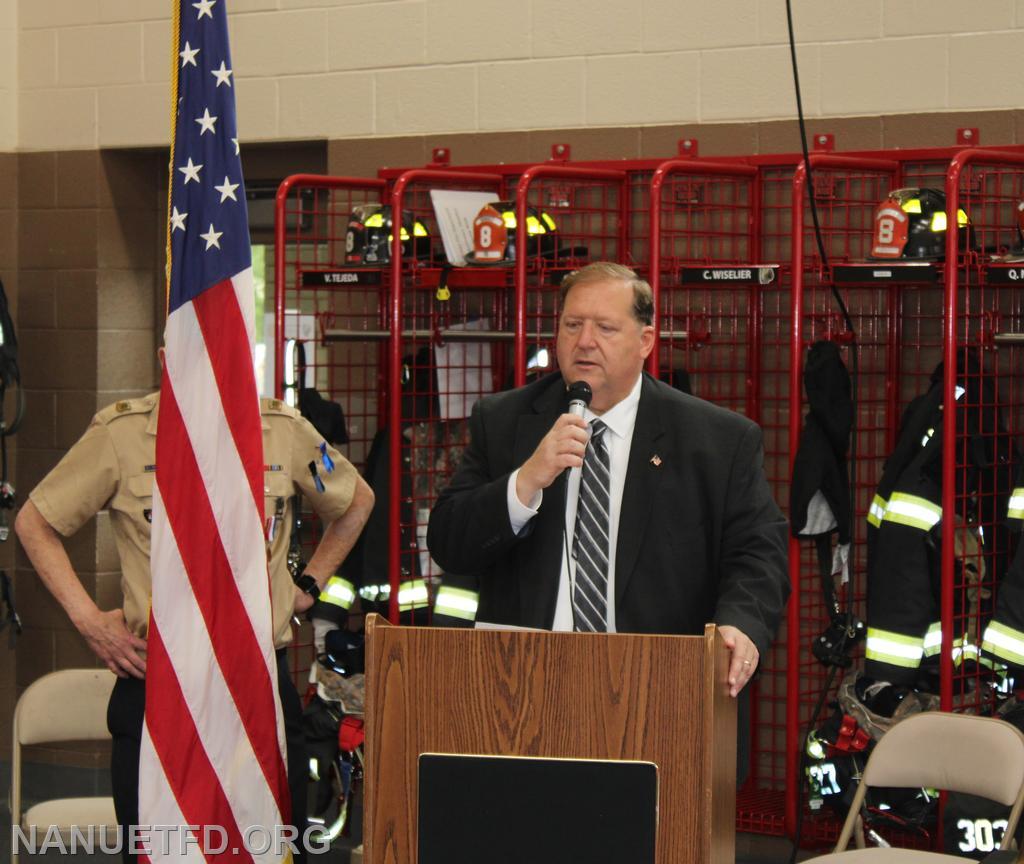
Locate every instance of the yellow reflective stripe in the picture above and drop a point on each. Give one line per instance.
(1016, 510)
(533, 226)
(913, 511)
(375, 592)
(963, 647)
(894, 648)
(412, 595)
(876, 512)
(338, 592)
(967, 650)
(1005, 642)
(456, 602)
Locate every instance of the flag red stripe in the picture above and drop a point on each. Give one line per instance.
(186, 766)
(234, 642)
(228, 347)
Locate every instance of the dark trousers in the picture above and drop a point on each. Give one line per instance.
(125, 716)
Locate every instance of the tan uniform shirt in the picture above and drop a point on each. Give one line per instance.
(112, 467)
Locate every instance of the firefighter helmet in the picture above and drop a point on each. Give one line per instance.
(344, 652)
(878, 705)
(837, 752)
(369, 237)
(541, 234)
(911, 223)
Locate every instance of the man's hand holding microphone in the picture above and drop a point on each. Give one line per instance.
(560, 450)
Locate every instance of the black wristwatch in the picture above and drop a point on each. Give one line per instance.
(307, 585)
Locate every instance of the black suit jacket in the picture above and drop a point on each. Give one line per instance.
(700, 536)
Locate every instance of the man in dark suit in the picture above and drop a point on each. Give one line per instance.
(670, 525)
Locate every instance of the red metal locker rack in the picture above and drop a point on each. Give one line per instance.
(774, 232)
(611, 214)
(982, 315)
(431, 307)
(588, 207)
(709, 282)
(905, 327)
(311, 218)
(847, 190)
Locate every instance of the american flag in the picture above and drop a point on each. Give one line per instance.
(213, 743)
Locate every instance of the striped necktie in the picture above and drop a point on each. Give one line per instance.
(590, 539)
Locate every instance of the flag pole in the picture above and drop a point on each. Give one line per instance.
(175, 48)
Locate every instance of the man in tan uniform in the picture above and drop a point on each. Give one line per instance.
(112, 467)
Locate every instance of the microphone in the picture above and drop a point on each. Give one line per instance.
(579, 395)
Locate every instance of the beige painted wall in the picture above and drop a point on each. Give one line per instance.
(8, 76)
(94, 73)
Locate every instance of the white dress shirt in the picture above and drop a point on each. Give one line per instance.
(620, 420)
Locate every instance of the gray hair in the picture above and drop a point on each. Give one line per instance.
(601, 271)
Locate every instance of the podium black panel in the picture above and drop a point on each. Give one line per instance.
(512, 810)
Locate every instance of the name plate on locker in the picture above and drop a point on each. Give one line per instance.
(353, 276)
(512, 810)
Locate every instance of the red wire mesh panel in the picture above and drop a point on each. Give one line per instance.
(708, 281)
(712, 287)
(759, 802)
(846, 194)
(452, 345)
(330, 323)
(638, 220)
(587, 208)
(986, 191)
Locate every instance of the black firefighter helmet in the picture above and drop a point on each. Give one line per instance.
(911, 223)
(369, 236)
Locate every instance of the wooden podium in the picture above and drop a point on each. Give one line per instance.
(659, 699)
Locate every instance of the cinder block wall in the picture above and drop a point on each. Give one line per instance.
(94, 73)
(9, 274)
(90, 259)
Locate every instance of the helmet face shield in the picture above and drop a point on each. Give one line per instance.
(912, 222)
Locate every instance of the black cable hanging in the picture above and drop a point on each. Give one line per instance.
(826, 274)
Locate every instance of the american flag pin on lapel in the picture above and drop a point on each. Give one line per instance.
(656, 460)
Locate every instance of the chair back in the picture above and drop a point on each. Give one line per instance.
(69, 705)
(954, 752)
(957, 752)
